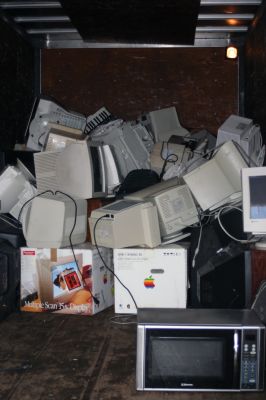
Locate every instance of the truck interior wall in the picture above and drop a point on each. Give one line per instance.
(255, 73)
(199, 82)
(17, 74)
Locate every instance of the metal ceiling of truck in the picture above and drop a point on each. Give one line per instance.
(47, 24)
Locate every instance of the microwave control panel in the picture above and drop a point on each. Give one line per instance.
(249, 360)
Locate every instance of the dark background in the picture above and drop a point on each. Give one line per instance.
(204, 87)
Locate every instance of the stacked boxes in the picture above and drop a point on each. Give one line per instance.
(52, 280)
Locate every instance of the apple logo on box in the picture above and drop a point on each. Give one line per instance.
(149, 282)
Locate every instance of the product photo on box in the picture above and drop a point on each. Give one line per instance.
(52, 280)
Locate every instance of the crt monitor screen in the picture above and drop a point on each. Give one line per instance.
(257, 197)
(254, 199)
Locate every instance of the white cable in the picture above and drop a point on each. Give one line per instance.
(197, 248)
(223, 228)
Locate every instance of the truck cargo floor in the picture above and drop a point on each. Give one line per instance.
(71, 357)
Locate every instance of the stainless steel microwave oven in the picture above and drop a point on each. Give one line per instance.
(200, 350)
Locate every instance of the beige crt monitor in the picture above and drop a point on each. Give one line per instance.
(142, 194)
(78, 170)
(49, 221)
(125, 223)
(164, 123)
(12, 183)
(218, 181)
(176, 210)
(59, 136)
(175, 206)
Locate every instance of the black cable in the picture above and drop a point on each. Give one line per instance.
(183, 154)
(168, 155)
(150, 134)
(104, 263)
(244, 155)
(71, 244)
(166, 159)
(39, 138)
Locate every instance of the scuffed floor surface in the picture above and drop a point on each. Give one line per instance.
(71, 357)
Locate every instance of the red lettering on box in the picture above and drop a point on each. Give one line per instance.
(29, 252)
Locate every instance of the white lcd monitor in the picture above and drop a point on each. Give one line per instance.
(125, 223)
(254, 200)
(52, 221)
(218, 181)
(78, 170)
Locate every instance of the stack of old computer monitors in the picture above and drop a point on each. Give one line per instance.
(164, 208)
(221, 270)
(88, 162)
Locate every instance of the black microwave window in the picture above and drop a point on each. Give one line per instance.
(96, 167)
(189, 358)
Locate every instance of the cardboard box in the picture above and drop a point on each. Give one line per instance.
(155, 278)
(52, 281)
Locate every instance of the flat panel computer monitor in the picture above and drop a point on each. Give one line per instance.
(254, 201)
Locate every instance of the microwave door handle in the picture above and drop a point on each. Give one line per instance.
(236, 357)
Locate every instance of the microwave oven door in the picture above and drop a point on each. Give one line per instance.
(191, 359)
